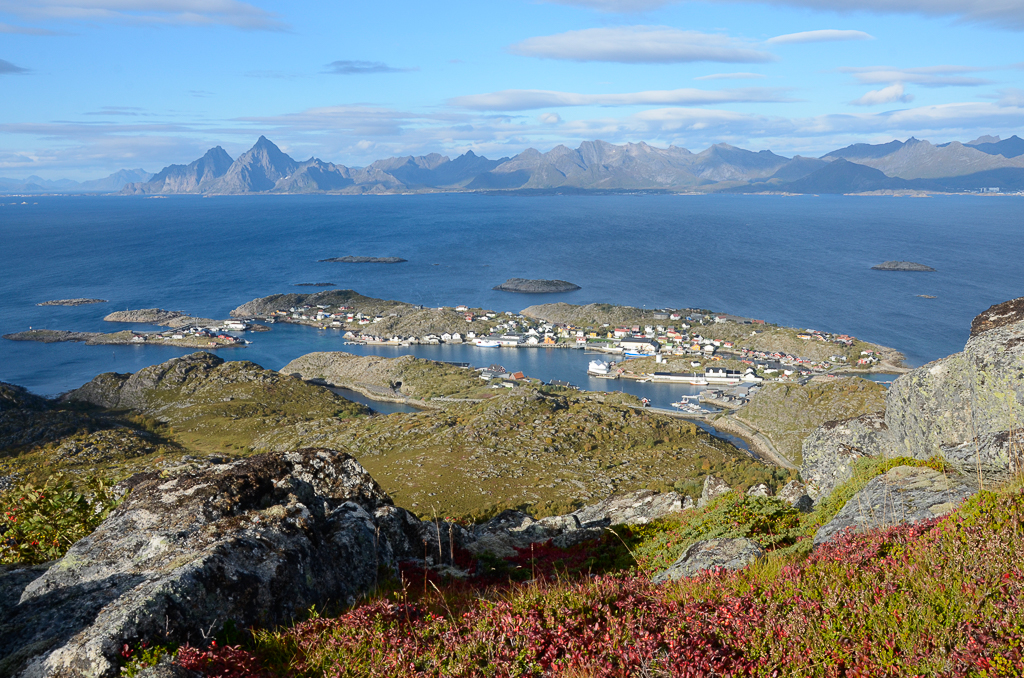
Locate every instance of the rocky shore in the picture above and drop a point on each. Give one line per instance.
(526, 286)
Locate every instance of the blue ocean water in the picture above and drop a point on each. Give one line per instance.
(801, 261)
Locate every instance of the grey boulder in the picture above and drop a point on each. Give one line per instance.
(795, 494)
(906, 494)
(713, 489)
(254, 542)
(727, 554)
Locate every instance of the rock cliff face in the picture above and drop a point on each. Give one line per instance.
(967, 408)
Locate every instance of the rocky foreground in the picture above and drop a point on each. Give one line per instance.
(260, 540)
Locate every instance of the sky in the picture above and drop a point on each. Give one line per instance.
(88, 87)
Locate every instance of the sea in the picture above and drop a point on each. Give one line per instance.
(801, 261)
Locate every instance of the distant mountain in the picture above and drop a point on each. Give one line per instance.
(185, 178)
(843, 176)
(601, 166)
(255, 171)
(1008, 148)
(922, 160)
(798, 168)
(110, 184)
(116, 181)
(863, 151)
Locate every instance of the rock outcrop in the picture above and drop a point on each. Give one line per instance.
(830, 451)
(728, 554)
(713, 489)
(257, 541)
(967, 408)
(536, 286)
(902, 266)
(254, 542)
(365, 260)
(795, 494)
(906, 494)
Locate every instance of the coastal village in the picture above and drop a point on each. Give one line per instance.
(672, 345)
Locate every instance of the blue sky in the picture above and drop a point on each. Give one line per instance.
(92, 86)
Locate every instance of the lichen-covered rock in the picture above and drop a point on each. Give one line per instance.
(965, 407)
(634, 508)
(254, 542)
(728, 554)
(760, 490)
(713, 488)
(795, 494)
(831, 449)
(906, 494)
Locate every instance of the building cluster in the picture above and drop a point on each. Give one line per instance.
(214, 336)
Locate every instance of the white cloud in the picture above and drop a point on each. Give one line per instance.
(171, 12)
(527, 99)
(886, 95)
(550, 118)
(25, 30)
(640, 45)
(1007, 14)
(929, 76)
(826, 35)
(730, 76)
(361, 68)
(1011, 96)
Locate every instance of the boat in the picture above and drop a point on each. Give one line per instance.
(487, 343)
(636, 354)
(699, 381)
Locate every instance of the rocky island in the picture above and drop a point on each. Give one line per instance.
(71, 302)
(902, 266)
(536, 286)
(364, 260)
(128, 338)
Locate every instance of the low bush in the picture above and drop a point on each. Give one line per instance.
(940, 598)
(39, 523)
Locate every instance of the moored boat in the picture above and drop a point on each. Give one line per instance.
(486, 343)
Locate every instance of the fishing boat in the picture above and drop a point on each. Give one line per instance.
(598, 368)
(699, 381)
(487, 343)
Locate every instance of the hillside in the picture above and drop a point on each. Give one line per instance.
(789, 413)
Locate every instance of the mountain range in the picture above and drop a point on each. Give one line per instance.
(985, 163)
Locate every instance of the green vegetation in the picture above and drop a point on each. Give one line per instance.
(547, 451)
(788, 413)
(41, 522)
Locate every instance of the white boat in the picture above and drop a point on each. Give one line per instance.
(700, 381)
(598, 367)
(487, 343)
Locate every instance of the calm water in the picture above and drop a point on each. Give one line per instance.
(802, 261)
